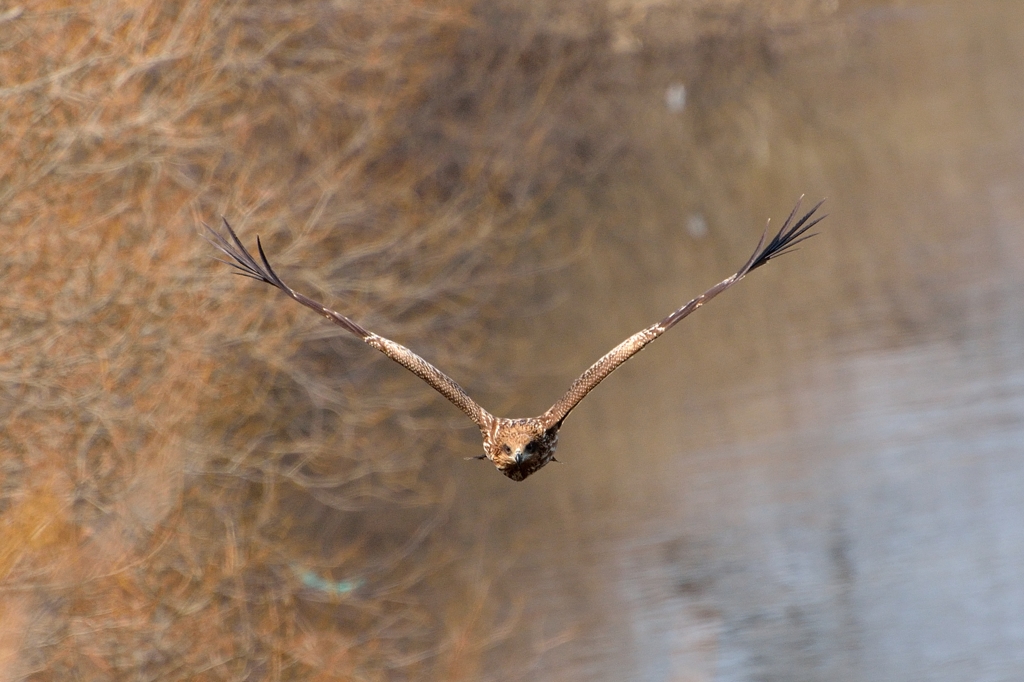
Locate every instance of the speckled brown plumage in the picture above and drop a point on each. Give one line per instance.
(517, 447)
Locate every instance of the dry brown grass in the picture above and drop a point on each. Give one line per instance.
(176, 443)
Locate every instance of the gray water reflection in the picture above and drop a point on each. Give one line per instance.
(884, 541)
(820, 478)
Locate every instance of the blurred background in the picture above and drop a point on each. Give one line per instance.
(816, 477)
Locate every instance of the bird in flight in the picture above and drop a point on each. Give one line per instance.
(517, 447)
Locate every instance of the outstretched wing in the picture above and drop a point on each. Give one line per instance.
(246, 265)
(789, 236)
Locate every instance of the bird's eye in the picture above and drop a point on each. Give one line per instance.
(530, 447)
(507, 449)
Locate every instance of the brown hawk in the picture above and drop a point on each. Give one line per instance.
(518, 447)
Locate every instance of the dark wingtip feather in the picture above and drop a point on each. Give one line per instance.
(789, 236)
(275, 280)
(241, 259)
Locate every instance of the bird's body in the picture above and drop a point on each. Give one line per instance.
(517, 447)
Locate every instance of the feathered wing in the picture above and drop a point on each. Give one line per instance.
(789, 236)
(246, 265)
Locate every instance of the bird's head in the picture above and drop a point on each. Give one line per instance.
(519, 447)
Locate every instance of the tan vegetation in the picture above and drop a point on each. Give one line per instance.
(174, 440)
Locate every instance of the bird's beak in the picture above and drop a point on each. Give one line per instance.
(519, 456)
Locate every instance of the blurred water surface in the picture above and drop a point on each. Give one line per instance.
(818, 476)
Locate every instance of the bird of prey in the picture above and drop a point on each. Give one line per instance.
(517, 447)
